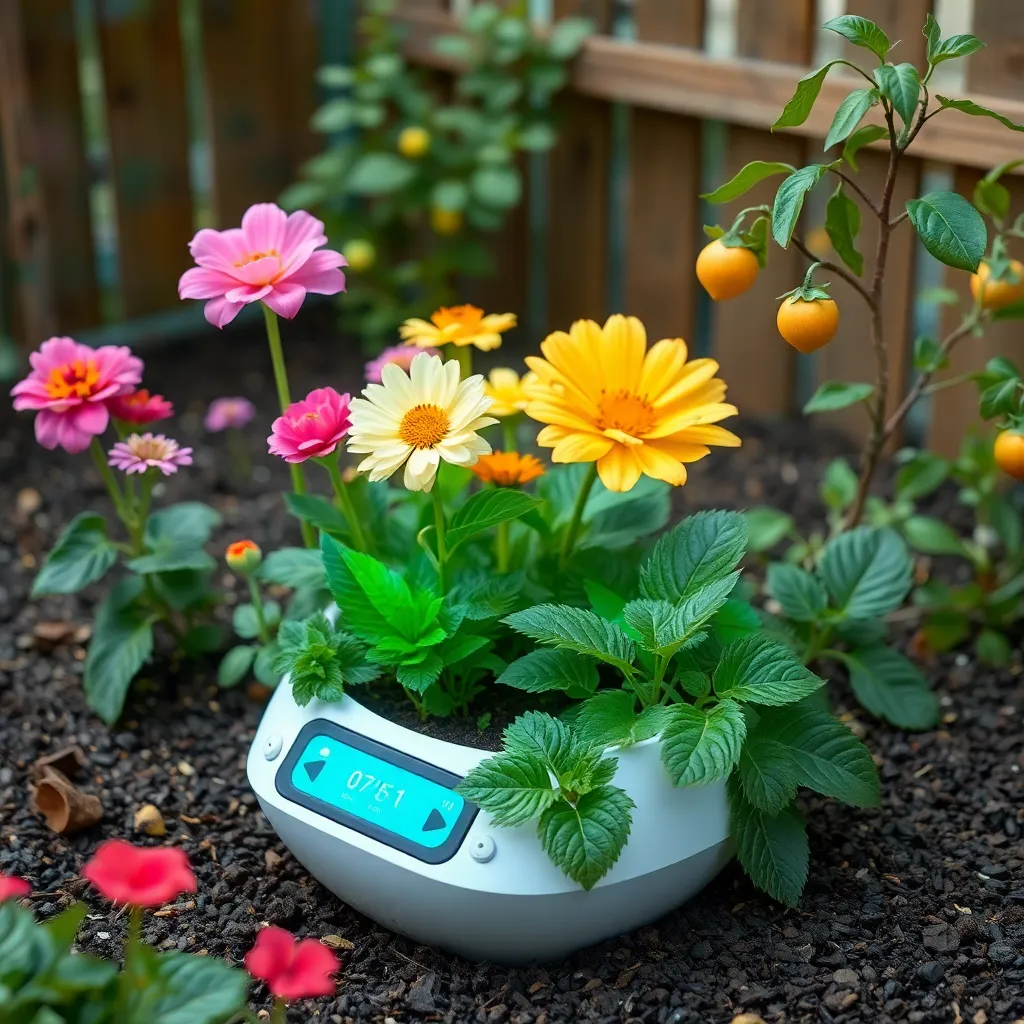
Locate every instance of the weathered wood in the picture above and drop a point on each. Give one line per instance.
(147, 125)
(672, 22)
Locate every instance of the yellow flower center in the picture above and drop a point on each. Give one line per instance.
(77, 379)
(423, 426)
(254, 256)
(148, 448)
(625, 411)
(466, 317)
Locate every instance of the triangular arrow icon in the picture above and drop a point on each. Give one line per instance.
(434, 822)
(314, 768)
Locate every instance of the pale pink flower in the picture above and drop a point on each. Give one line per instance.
(400, 355)
(225, 413)
(311, 428)
(139, 452)
(272, 257)
(69, 386)
(140, 407)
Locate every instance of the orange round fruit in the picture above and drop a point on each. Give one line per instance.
(808, 325)
(446, 222)
(1009, 452)
(998, 293)
(725, 270)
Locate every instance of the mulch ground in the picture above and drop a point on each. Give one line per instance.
(913, 912)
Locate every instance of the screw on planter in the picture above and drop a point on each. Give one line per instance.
(483, 849)
(272, 746)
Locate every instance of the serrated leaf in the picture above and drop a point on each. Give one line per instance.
(607, 719)
(586, 840)
(485, 596)
(861, 32)
(801, 595)
(693, 682)
(575, 629)
(890, 686)
(900, 84)
(867, 572)
(766, 527)
(745, 179)
(539, 736)
(838, 394)
(544, 670)
(663, 627)
(842, 223)
(849, 114)
(702, 746)
(486, 509)
(767, 774)
(511, 787)
(763, 671)
(789, 201)
(800, 105)
(420, 676)
(82, 555)
(950, 228)
(859, 139)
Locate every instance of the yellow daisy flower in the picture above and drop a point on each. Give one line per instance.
(416, 420)
(506, 469)
(458, 325)
(607, 399)
(509, 392)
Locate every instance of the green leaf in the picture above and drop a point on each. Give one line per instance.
(235, 665)
(695, 683)
(499, 187)
(867, 572)
(335, 76)
(842, 222)
(486, 509)
(766, 527)
(539, 736)
(664, 627)
(993, 648)
(702, 746)
(334, 116)
(950, 228)
(511, 787)
(122, 641)
(767, 774)
(575, 629)
(745, 179)
(789, 201)
(860, 32)
(481, 597)
(763, 671)
(772, 849)
(419, 677)
(839, 487)
(318, 512)
(174, 539)
(543, 670)
(1015, 311)
(297, 568)
(838, 394)
(798, 109)
(701, 549)
(849, 115)
(999, 399)
(247, 625)
(932, 536)
(892, 688)
(607, 719)
(82, 555)
(928, 355)
(901, 86)
(920, 476)
(189, 990)
(536, 138)
(859, 139)
(946, 49)
(586, 840)
(567, 36)
(992, 198)
(377, 174)
(736, 618)
(801, 595)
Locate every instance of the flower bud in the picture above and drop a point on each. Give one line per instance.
(413, 142)
(244, 556)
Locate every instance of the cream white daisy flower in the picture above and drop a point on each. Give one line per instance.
(416, 420)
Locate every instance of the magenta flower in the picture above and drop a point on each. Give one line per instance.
(140, 452)
(272, 257)
(140, 407)
(69, 386)
(400, 355)
(311, 428)
(225, 413)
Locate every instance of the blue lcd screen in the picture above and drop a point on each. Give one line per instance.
(376, 790)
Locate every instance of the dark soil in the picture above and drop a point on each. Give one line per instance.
(912, 912)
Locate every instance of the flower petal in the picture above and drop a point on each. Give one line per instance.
(619, 470)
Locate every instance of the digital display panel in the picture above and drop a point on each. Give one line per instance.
(381, 792)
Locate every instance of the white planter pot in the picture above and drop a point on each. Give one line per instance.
(496, 896)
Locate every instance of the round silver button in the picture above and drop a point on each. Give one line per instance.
(482, 849)
(272, 746)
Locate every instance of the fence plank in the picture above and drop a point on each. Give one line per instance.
(762, 384)
(578, 197)
(147, 123)
(664, 180)
(998, 70)
(259, 122)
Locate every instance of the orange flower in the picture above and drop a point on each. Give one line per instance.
(244, 556)
(507, 469)
(458, 325)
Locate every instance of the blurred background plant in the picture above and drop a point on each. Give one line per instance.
(418, 169)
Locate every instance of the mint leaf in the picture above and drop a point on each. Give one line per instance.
(486, 509)
(82, 555)
(420, 676)
(607, 719)
(767, 774)
(482, 596)
(543, 670)
(586, 840)
(511, 787)
(766, 527)
(867, 572)
(174, 539)
(763, 671)
(297, 568)
(543, 738)
(664, 627)
(575, 629)
(698, 746)
(892, 688)
(801, 595)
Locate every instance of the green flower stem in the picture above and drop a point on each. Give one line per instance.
(508, 427)
(464, 357)
(257, 603)
(284, 399)
(278, 1012)
(442, 551)
(140, 513)
(502, 547)
(107, 476)
(345, 501)
(573, 531)
(126, 979)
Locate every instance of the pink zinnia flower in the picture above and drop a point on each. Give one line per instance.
(291, 969)
(228, 412)
(139, 876)
(140, 407)
(400, 355)
(140, 452)
(69, 386)
(13, 888)
(311, 428)
(270, 257)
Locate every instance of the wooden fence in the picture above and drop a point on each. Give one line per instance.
(621, 228)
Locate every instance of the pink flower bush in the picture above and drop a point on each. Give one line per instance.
(311, 428)
(272, 257)
(225, 413)
(400, 355)
(140, 452)
(140, 407)
(69, 387)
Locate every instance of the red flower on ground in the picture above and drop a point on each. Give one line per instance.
(12, 888)
(139, 876)
(140, 407)
(291, 969)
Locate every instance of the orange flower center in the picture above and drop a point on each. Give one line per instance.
(77, 379)
(625, 411)
(423, 426)
(139, 398)
(467, 317)
(254, 256)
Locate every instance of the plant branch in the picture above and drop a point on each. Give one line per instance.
(855, 185)
(899, 220)
(833, 268)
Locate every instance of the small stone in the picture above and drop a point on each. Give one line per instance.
(184, 768)
(931, 972)
(148, 819)
(271, 859)
(337, 942)
(1002, 953)
(748, 1018)
(27, 502)
(845, 976)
